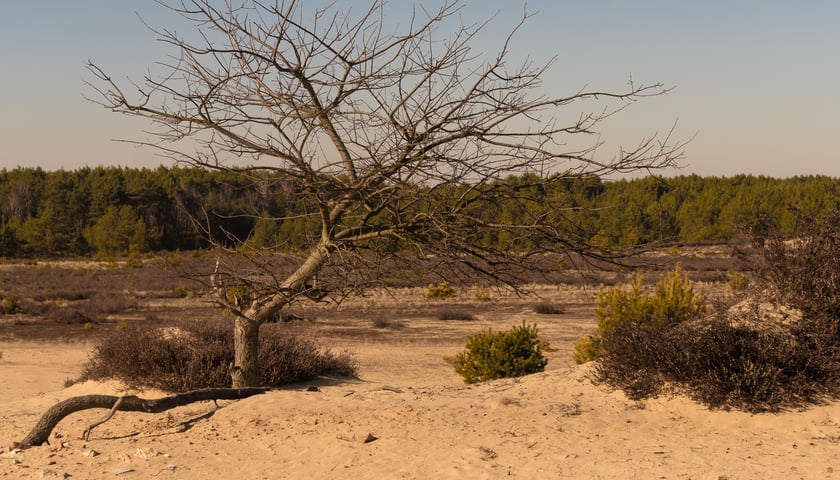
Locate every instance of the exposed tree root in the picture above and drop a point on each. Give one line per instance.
(40, 434)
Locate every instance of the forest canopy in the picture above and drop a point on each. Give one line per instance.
(113, 211)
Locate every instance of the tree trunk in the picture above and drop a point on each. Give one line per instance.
(246, 343)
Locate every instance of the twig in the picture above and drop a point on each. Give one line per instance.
(104, 419)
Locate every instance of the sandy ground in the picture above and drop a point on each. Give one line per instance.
(419, 419)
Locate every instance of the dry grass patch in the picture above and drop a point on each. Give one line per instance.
(382, 322)
(454, 314)
(195, 355)
(544, 308)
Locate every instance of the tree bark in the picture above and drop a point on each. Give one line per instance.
(40, 434)
(246, 365)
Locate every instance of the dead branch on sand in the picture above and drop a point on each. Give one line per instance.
(130, 403)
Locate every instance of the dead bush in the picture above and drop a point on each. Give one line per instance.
(747, 358)
(544, 308)
(287, 358)
(720, 363)
(803, 270)
(199, 355)
(454, 314)
(113, 304)
(69, 316)
(383, 322)
(93, 310)
(35, 308)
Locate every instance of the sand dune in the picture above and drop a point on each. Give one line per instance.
(416, 421)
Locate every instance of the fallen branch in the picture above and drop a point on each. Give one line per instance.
(40, 434)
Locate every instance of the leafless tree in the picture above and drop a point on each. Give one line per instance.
(394, 140)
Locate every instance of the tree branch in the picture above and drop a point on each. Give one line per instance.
(40, 434)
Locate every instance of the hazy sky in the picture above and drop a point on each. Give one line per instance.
(757, 82)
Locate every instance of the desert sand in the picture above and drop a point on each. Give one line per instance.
(409, 416)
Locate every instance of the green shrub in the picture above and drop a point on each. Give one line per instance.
(586, 349)
(134, 261)
(441, 291)
(10, 306)
(239, 295)
(482, 295)
(490, 355)
(673, 301)
(738, 281)
(198, 355)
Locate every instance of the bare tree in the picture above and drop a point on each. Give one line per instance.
(394, 142)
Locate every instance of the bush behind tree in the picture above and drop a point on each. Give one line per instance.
(198, 355)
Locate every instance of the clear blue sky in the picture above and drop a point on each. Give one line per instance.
(757, 82)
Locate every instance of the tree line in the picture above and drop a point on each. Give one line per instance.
(114, 211)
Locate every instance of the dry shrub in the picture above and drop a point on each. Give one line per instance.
(544, 308)
(199, 354)
(382, 322)
(720, 363)
(287, 358)
(171, 360)
(454, 314)
(69, 316)
(803, 271)
(35, 308)
(64, 296)
(94, 310)
(113, 304)
(748, 359)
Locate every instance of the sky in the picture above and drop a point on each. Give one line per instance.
(756, 83)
